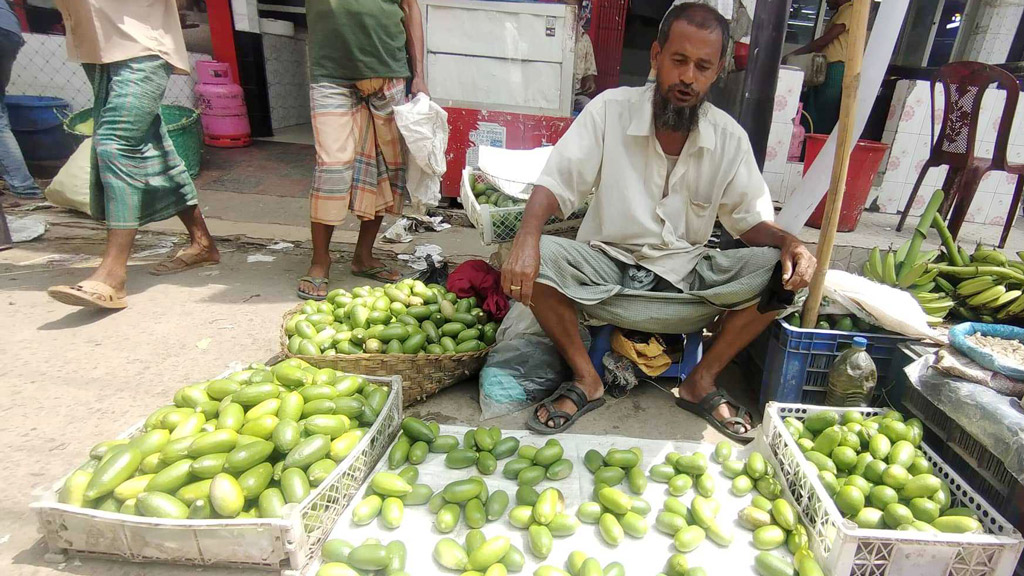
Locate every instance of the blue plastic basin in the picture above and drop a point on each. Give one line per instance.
(37, 124)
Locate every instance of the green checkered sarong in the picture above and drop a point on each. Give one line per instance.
(822, 102)
(136, 176)
(611, 292)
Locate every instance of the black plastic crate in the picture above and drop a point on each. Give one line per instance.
(978, 466)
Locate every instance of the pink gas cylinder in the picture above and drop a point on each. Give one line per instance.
(221, 106)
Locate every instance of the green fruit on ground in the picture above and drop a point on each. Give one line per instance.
(768, 564)
(689, 538)
(769, 537)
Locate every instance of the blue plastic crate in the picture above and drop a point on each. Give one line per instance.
(797, 361)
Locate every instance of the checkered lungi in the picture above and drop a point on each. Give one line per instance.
(136, 176)
(612, 292)
(360, 164)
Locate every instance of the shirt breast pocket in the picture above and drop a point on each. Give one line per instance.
(699, 219)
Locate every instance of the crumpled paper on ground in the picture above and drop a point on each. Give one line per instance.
(26, 229)
(402, 231)
(417, 260)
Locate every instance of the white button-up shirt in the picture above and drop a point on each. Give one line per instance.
(611, 149)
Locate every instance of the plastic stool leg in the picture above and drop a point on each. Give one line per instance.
(693, 348)
(600, 344)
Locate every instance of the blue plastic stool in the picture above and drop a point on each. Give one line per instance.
(601, 344)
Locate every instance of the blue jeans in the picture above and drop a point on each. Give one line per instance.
(12, 163)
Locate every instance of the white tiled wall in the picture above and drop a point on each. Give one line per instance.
(787, 97)
(990, 37)
(910, 134)
(43, 69)
(287, 80)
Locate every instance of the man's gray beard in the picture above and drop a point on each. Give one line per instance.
(675, 118)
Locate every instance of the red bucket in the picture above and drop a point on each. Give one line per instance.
(740, 54)
(864, 161)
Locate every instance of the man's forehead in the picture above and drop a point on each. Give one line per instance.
(687, 39)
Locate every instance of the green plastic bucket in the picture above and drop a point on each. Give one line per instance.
(182, 124)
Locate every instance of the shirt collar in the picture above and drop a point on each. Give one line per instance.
(642, 121)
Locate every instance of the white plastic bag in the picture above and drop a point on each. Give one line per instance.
(70, 187)
(424, 127)
(888, 307)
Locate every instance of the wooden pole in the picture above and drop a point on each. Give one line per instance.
(845, 139)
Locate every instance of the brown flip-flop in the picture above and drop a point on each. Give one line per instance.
(706, 410)
(181, 262)
(378, 274)
(89, 294)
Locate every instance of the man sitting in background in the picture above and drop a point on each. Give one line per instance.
(662, 165)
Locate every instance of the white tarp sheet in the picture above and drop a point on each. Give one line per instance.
(639, 556)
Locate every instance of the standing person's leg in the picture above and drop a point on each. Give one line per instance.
(136, 179)
(5, 233)
(379, 191)
(12, 163)
(363, 262)
(334, 112)
(201, 250)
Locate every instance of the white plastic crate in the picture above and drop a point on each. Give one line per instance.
(500, 225)
(287, 544)
(844, 549)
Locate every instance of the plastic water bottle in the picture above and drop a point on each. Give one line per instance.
(853, 376)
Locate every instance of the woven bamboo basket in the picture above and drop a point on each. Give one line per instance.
(423, 375)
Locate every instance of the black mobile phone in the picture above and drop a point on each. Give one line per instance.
(775, 297)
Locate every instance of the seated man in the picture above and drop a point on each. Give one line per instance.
(663, 164)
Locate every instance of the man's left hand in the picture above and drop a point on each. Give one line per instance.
(797, 265)
(588, 84)
(417, 86)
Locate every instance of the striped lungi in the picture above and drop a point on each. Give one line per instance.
(136, 176)
(612, 292)
(360, 164)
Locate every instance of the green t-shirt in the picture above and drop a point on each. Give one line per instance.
(355, 40)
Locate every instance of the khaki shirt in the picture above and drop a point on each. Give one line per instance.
(586, 64)
(836, 49)
(105, 31)
(611, 149)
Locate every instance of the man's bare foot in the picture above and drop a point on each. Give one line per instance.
(317, 269)
(594, 390)
(360, 265)
(694, 388)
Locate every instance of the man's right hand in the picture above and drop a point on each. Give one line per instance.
(521, 268)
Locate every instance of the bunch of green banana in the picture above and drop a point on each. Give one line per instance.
(896, 270)
(990, 297)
